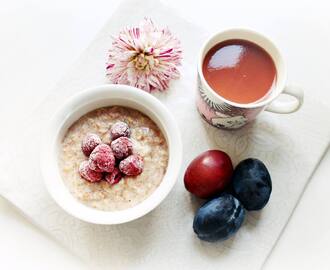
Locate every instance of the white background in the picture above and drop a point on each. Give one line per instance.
(40, 39)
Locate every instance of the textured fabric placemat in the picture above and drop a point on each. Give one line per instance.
(290, 145)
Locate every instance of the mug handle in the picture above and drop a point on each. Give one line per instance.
(288, 106)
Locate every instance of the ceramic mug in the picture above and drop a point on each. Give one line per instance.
(222, 113)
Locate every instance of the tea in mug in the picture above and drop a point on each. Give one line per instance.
(239, 71)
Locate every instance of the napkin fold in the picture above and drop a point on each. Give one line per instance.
(290, 145)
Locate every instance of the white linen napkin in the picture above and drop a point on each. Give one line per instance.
(290, 145)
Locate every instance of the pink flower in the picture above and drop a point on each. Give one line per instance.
(145, 57)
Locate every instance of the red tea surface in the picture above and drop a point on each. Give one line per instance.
(239, 71)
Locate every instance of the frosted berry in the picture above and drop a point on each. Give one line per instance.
(102, 159)
(114, 177)
(89, 143)
(88, 174)
(132, 165)
(119, 129)
(122, 147)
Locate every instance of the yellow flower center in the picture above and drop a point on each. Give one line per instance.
(144, 61)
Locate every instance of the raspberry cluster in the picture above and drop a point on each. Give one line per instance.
(110, 162)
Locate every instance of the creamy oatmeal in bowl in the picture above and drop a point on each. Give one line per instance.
(143, 162)
(148, 142)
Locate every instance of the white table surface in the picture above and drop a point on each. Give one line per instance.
(41, 38)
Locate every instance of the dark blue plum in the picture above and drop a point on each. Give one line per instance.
(219, 218)
(252, 184)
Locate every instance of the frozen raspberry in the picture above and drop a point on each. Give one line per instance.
(89, 142)
(122, 147)
(119, 129)
(132, 165)
(102, 159)
(114, 177)
(88, 174)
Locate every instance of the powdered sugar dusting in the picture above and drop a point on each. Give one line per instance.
(119, 129)
(132, 165)
(89, 143)
(102, 159)
(122, 147)
(88, 174)
(114, 177)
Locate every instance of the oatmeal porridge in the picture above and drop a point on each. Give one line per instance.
(148, 143)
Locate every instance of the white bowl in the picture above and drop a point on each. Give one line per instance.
(84, 102)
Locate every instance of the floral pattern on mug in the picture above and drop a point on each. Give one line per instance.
(223, 115)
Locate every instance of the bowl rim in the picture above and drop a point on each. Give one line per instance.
(49, 153)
